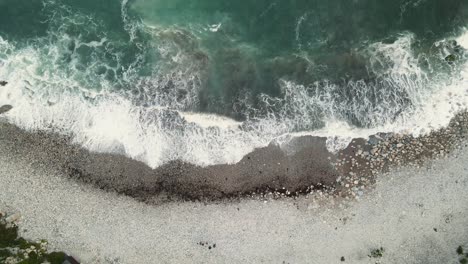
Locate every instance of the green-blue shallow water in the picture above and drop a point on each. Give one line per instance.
(298, 62)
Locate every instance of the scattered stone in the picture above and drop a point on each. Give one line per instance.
(377, 253)
(5, 108)
(342, 259)
(13, 218)
(460, 250)
(463, 258)
(208, 245)
(448, 219)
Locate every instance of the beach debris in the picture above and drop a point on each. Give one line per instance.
(5, 108)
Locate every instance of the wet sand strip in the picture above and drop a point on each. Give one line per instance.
(299, 167)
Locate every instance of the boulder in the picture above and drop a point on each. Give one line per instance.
(5, 108)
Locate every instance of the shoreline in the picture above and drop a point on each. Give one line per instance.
(265, 172)
(413, 214)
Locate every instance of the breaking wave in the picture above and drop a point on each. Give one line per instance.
(130, 78)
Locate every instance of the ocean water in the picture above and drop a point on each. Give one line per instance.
(208, 81)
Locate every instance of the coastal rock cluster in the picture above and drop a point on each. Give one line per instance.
(363, 160)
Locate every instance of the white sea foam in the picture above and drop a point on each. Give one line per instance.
(207, 120)
(107, 121)
(110, 122)
(435, 100)
(463, 39)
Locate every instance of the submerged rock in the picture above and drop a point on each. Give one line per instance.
(451, 59)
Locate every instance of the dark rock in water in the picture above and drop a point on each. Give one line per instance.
(450, 59)
(5, 108)
(3, 83)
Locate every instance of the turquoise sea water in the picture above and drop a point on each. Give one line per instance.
(295, 64)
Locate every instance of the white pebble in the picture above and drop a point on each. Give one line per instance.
(13, 218)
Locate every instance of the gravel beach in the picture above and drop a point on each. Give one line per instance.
(295, 168)
(408, 215)
(395, 192)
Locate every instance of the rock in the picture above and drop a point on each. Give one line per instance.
(70, 260)
(3, 83)
(450, 59)
(13, 218)
(5, 108)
